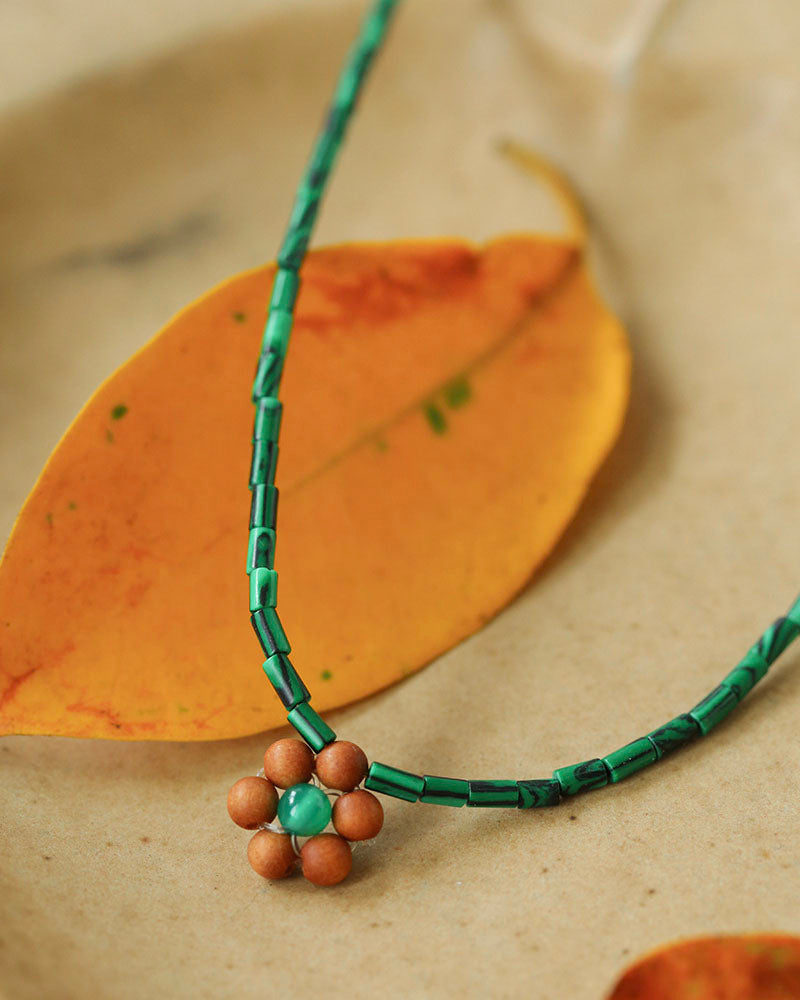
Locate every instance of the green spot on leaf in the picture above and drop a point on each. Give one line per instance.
(435, 418)
(118, 411)
(49, 518)
(326, 675)
(72, 505)
(381, 444)
(182, 708)
(240, 317)
(109, 436)
(457, 393)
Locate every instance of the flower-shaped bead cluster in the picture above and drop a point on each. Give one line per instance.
(304, 810)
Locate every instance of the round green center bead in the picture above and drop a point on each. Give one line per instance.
(304, 810)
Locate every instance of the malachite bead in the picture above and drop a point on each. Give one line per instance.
(268, 375)
(582, 777)
(629, 759)
(267, 424)
(314, 730)
(264, 463)
(261, 549)
(285, 287)
(263, 588)
(716, 705)
(277, 331)
(444, 791)
(263, 507)
(674, 734)
(288, 684)
(393, 781)
(304, 810)
(536, 793)
(493, 794)
(746, 674)
(776, 638)
(267, 626)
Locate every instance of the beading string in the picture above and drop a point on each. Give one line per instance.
(526, 793)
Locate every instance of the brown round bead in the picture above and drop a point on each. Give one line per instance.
(326, 859)
(341, 765)
(252, 801)
(288, 762)
(271, 854)
(358, 815)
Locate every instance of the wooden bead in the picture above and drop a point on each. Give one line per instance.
(252, 801)
(271, 854)
(288, 762)
(326, 859)
(358, 815)
(341, 765)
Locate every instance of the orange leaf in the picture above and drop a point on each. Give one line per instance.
(751, 967)
(445, 409)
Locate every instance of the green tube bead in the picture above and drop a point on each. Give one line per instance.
(267, 626)
(746, 674)
(776, 638)
(277, 331)
(536, 793)
(495, 794)
(716, 705)
(260, 549)
(444, 791)
(314, 730)
(268, 375)
(581, 777)
(286, 681)
(285, 287)
(393, 781)
(268, 419)
(674, 734)
(264, 463)
(629, 759)
(263, 588)
(263, 506)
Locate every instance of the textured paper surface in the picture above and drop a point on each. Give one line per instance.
(127, 196)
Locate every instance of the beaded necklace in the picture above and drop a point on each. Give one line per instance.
(319, 768)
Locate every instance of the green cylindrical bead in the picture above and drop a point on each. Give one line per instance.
(499, 793)
(537, 793)
(674, 734)
(746, 674)
(629, 759)
(261, 549)
(444, 791)
(777, 637)
(286, 681)
(277, 331)
(581, 777)
(393, 781)
(267, 626)
(716, 705)
(304, 810)
(268, 375)
(268, 419)
(263, 588)
(264, 506)
(314, 730)
(264, 463)
(285, 287)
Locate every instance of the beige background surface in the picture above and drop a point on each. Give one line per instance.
(128, 194)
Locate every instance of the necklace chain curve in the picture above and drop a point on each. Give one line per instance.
(305, 809)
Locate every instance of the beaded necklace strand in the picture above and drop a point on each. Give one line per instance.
(340, 769)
